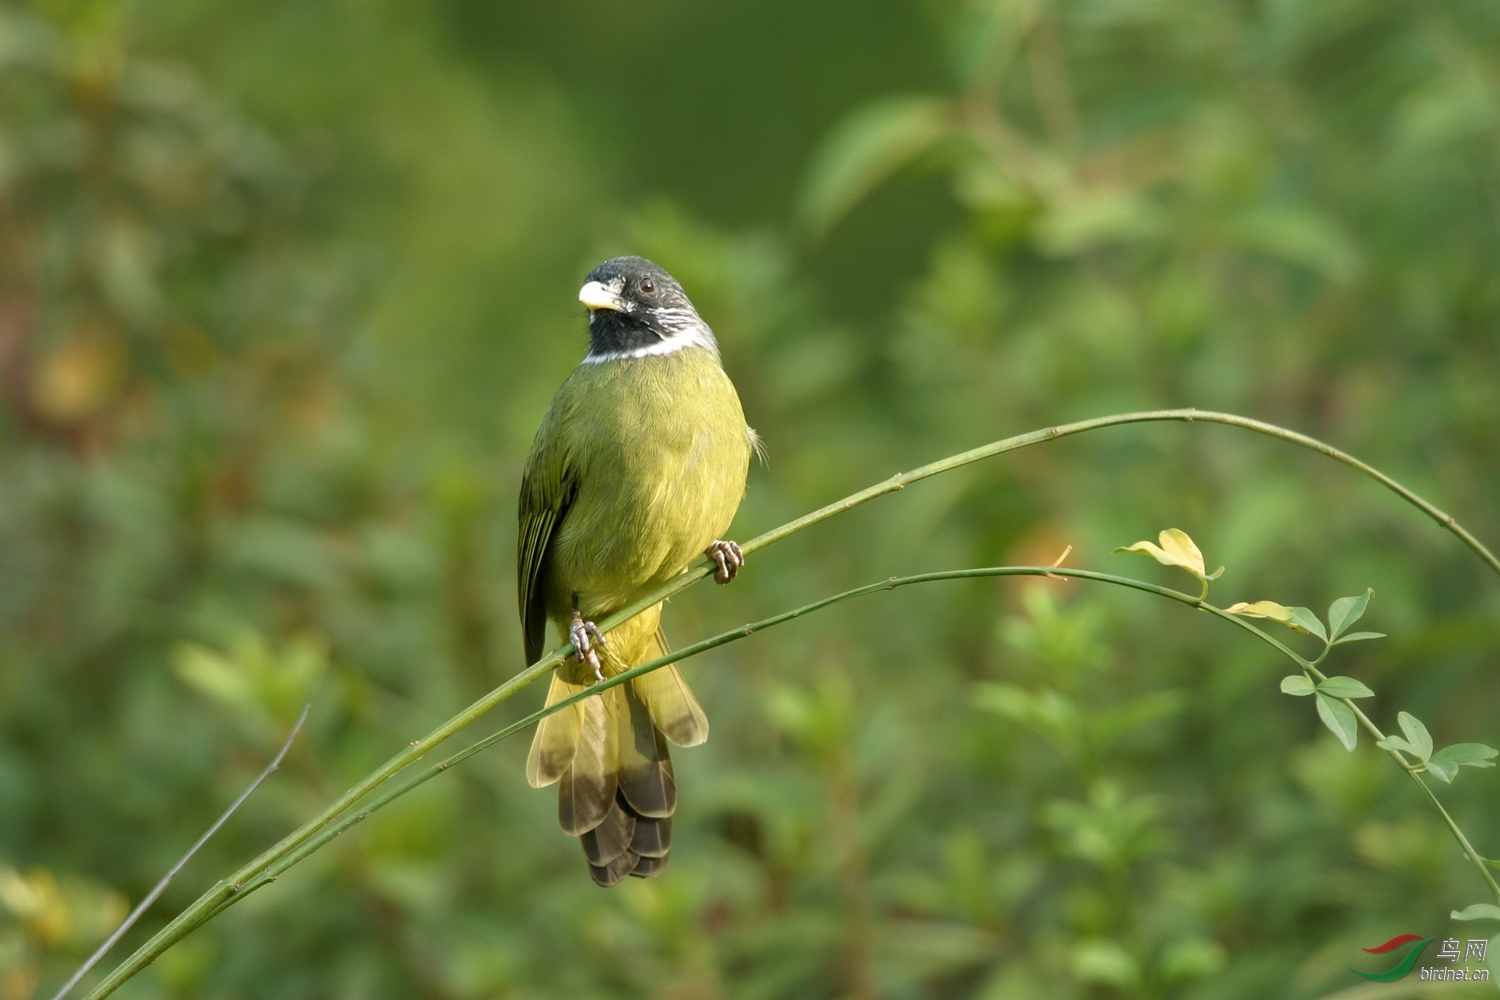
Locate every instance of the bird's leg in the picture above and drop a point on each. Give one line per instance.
(579, 633)
(728, 557)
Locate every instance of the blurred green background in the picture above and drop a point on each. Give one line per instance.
(285, 288)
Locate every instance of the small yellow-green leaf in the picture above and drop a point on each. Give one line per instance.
(1297, 619)
(1297, 685)
(1176, 549)
(1346, 611)
(1416, 734)
(216, 675)
(1339, 718)
(1345, 687)
(1184, 550)
(1261, 609)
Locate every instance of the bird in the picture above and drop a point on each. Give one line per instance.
(637, 470)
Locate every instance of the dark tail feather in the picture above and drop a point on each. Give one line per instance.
(630, 832)
(642, 855)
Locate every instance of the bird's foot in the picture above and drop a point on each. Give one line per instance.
(728, 558)
(583, 635)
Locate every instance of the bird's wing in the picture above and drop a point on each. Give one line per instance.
(547, 488)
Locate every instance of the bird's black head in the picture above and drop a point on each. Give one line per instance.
(636, 309)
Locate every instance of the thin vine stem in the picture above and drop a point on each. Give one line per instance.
(1415, 775)
(212, 900)
(723, 638)
(166, 880)
(745, 631)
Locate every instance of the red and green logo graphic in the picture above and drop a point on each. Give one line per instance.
(1402, 967)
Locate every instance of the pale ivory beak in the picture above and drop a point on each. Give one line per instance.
(596, 296)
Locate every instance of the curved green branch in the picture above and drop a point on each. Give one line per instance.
(216, 897)
(274, 871)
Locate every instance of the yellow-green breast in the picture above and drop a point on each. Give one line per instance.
(655, 451)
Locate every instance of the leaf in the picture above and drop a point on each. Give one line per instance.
(1359, 637)
(1297, 685)
(215, 675)
(1467, 754)
(1478, 911)
(1098, 960)
(1442, 771)
(1303, 620)
(865, 149)
(1084, 219)
(1397, 743)
(1416, 734)
(1346, 611)
(1177, 548)
(1048, 712)
(1297, 233)
(1297, 619)
(1339, 718)
(1345, 687)
(1261, 609)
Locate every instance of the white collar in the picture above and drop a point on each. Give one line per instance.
(695, 335)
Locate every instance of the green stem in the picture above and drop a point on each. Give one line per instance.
(901, 480)
(1474, 856)
(1415, 775)
(224, 890)
(723, 638)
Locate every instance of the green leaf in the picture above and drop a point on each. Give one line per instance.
(1470, 754)
(1346, 611)
(216, 675)
(1193, 958)
(1478, 911)
(1303, 620)
(1339, 718)
(865, 149)
(1297, 233)
(1048, 712)
(1082, 218)
(1397, 743)
(1345, 687)
(1416, 734)
(1298, 685)
(1099, 960)
(1359, 637)
(1442, 771)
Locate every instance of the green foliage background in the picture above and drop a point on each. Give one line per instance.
(286, 286)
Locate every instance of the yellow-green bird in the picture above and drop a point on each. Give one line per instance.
(636, 471)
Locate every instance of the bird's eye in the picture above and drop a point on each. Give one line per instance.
(648, 286)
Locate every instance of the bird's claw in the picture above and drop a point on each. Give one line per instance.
(583, 635)
(727, 557)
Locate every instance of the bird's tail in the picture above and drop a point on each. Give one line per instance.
(608, 752)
